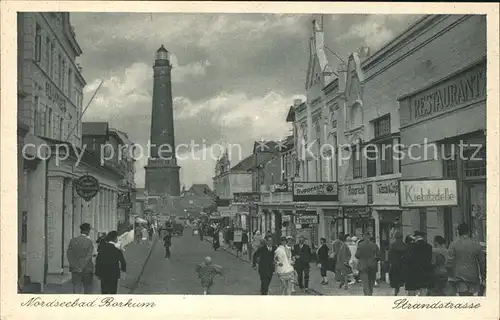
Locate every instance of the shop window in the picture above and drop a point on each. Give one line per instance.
(371, 161)
(382, 127)
(386, 159)
(356, 164)
(38, 43)
(475, 162)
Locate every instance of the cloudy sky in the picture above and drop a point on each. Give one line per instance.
(234, 75)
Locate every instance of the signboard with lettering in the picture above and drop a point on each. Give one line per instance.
(124, 200)
(246, 197)
(427, 193)
(386, 193)
(357, 212)
(306, 219)
(87, 187)
(353, 194)
(279, 187)
(315, 191)
(462, 89)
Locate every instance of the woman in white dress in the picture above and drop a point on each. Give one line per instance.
(284, 268)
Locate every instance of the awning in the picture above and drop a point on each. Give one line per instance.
(139, 220)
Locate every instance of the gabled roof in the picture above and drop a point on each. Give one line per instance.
(95, 128)
(244, 165)
(201, 189)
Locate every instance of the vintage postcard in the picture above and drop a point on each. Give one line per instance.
(249, 160)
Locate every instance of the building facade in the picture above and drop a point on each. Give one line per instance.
(197, 199)
(447, 107)
(50, 105)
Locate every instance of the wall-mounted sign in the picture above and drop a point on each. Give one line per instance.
(354, 194)
(227, 213)
(386, 192)
(306, 219)
(87, 187)
(286, 218)
(246, 197)
(315, 191)
(53, 94)
(427, 193)
(279, 187)
(461, 89)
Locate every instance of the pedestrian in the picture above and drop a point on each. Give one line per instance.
(439, 276)
(257, 240)
(110, 264)
(397, 256)
(466, 263)
(215, 240)
(144, 234)
(264, 258)
(100, 240)
(368, 255)
(302, 254)
(201, 231)
(342, 267)
(418, 266)
(151, 232)
(80, 253)
(284, 268)
(206, 273)
(244, 241)
(290, 242)
(353, 263)
(167, 243)
(322, 255)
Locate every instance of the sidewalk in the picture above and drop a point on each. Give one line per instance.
(136, 256)
(332, 288)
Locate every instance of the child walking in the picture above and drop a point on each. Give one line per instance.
(207, 272)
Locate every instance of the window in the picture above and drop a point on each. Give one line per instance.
(61, 129)
(371, 161)
(48, 127)
(63, 77)
(60, 71)
(46, 57)
(38, 43)
(382, 127)
(52, 62)
(386, 161)
(449, 162)
(356, 164)
(70, 85)
(36, 116)
(475, 162)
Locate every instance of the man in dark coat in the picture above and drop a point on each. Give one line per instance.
(323, 260)
(110, 262)
(397, 254)
(302, 254)
(264, 257)
(418, 266)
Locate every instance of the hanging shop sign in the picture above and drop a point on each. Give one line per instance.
(427, 193)
(246, 197)
(385, 192)
(124, 200)
(87, 187)
(306, 219)
(354, 194)
(315, 191)
(279, 187)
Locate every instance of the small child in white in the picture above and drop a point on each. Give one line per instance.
(207, 272)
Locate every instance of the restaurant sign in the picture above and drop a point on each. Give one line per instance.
(246, 197)
(87, 187)
(359, 212)
(315, 191)
(427, 193)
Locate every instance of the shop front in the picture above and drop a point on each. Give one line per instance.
(310, 199)
(383, 198)
(450, 117)
(356, 212)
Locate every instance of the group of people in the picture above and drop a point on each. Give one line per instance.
(421, 268)
(144, 232)
(435, 270)
(290, 261)
(110, 264)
